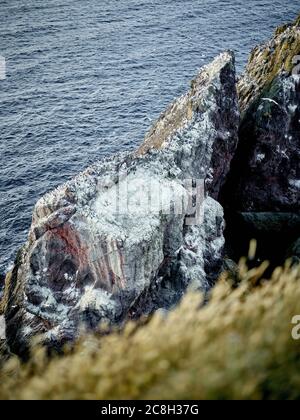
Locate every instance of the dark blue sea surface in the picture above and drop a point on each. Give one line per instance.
(85, 79)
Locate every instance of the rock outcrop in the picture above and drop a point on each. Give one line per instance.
(265, 174)
(262, 193)
(132, 232)
(267, 61)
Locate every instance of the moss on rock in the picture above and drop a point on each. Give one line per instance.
(268, 61)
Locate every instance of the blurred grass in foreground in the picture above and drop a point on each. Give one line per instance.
(238, 346)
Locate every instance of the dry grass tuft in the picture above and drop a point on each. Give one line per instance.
(238, 346)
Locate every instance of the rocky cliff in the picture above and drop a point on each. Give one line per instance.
(262, 193)
(267, 61)
(266, 172)
(132, 232)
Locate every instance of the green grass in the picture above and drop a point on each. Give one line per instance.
(238, 346)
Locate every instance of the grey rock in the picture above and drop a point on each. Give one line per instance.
(265, 174)
(108, 241)
(197, 265)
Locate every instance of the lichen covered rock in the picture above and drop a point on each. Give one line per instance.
(265, 174)
(268, 60)
(125, 231)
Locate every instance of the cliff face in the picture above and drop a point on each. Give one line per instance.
(262, 192)
(269, 60)
(265, 174)
(131, 233)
